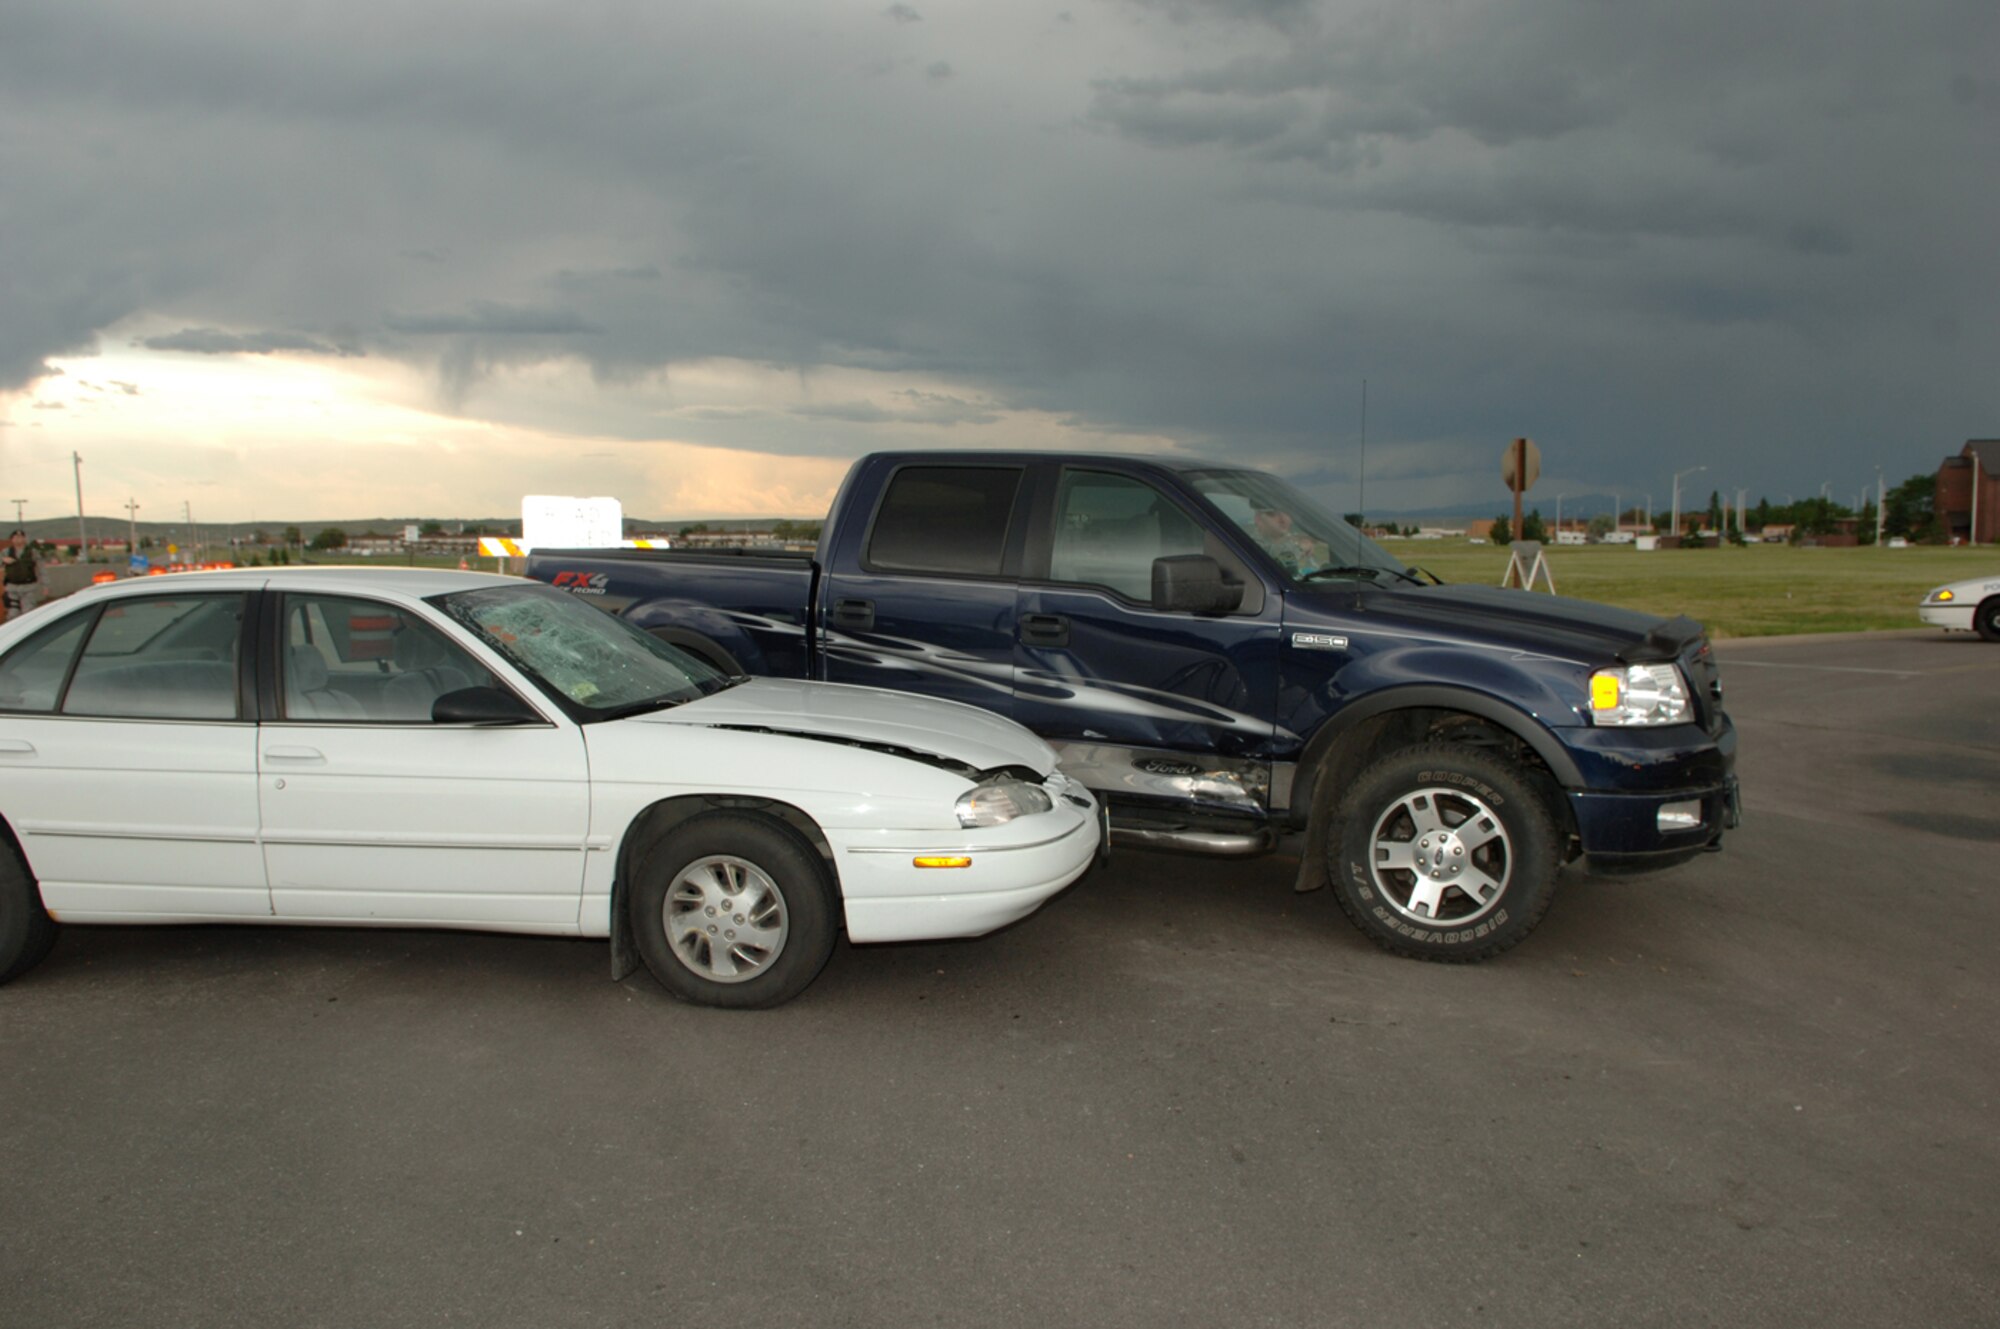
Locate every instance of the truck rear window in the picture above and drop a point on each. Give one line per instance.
(945, 519)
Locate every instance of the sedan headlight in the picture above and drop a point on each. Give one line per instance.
(999, 801)
(1642, 694)
(1942, 595)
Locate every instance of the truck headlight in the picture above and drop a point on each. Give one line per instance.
(999, 801)
(1642, 694)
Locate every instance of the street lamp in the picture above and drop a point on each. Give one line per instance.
(1881, 501)
(1676, 528)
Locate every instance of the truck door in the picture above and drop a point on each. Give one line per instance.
(1142, 703)
(931, 607)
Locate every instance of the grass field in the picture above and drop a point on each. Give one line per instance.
(1755, 591)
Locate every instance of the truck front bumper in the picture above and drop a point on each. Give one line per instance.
(1679, 795)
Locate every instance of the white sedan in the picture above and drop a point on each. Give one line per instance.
(1972, 605)
(360, 746)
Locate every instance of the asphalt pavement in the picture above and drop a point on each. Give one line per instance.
(1759, 1089)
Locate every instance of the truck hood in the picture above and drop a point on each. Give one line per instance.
(896, 722)
(1579, 630)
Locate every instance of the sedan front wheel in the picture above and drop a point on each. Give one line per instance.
(733, 910)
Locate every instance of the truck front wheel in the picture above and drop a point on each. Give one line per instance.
(1443, 852)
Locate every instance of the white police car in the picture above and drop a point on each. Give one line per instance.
(1972, 605)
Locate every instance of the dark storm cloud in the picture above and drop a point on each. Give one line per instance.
(214, 341)
(1629, 229)
(488, 320)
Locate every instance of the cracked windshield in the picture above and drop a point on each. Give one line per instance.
(580, 653)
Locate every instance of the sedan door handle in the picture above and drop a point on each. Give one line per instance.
(18, 746)
(1044, 630)
(304, 756)
(858, 614)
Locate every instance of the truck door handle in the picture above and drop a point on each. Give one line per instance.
(18, 746)
(304, 756)
(854, 614)
(1044, 630)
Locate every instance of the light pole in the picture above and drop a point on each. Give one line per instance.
(1881, 502)
(1676, 530)
(1649, 512)
(82, 538)
(1559, 518)
(131, 528)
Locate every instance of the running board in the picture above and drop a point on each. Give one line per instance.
(1188, 840)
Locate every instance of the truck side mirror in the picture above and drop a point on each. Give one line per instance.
(1193, 584)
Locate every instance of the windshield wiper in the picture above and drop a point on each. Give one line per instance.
(641, 707)
(1361, 570)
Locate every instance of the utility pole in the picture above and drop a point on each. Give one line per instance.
(82, 538)
(1676, 531)
(132, 528)
(194, 536)
(20, 506)
(1742, 528)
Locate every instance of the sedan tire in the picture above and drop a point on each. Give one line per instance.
(1986, 619)
(733, 910)
(1441, 852)
(26, 930)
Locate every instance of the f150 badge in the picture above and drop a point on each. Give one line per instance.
(1318, 641)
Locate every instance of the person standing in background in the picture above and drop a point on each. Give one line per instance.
(21, 575)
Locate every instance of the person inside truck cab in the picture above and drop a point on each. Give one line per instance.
(1272, 528)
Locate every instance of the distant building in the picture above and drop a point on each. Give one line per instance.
(1974, 472)
(1479, 529)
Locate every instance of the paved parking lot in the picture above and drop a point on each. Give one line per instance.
(1758, 1090)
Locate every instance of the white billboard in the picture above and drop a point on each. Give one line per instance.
(556, 521)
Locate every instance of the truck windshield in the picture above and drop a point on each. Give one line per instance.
(1302, 538)
(599, 665)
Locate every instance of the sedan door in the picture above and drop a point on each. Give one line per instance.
(372, 811)
(128, 760)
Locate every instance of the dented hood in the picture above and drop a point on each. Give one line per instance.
(871, 716)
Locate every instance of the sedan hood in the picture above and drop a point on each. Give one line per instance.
(872, 717)
(1579, 630)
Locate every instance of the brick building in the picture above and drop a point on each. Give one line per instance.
(1977, 464)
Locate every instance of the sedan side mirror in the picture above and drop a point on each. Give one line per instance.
(1193, 584)
(483, 706)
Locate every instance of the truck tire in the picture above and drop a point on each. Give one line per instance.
(1443, 852)
(733, 910)
(26, 930)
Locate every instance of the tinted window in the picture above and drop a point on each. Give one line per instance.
(360, 660)
(945, 519)
(1110, 528)
(160, 657)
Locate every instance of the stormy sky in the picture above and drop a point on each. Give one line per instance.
(319, 259)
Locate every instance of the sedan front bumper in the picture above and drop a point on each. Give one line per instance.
(1010, 871)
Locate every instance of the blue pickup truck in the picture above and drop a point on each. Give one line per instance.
(1227, 665)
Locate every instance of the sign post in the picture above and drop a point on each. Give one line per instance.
(1520, 467)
